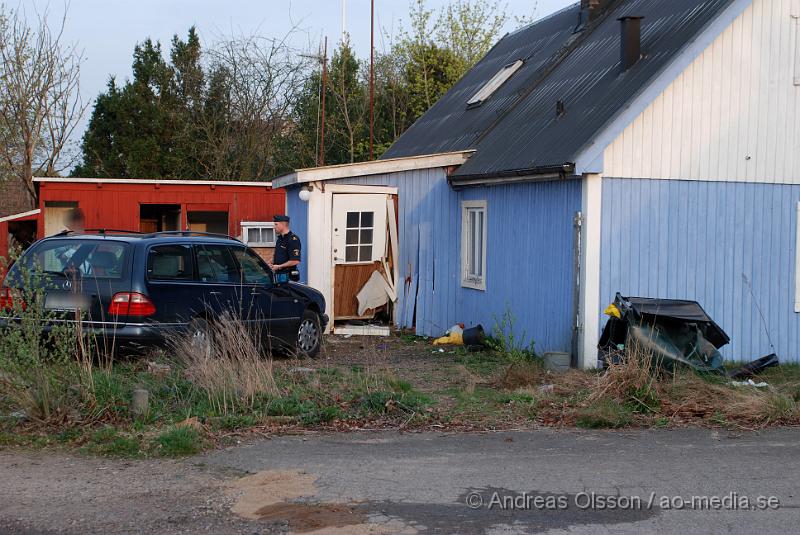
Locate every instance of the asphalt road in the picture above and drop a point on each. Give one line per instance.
(522, 482)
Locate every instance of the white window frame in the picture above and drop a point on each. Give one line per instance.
(468, 280)
(359, 244)
(488, 89)
(796, 21)
(246, 225)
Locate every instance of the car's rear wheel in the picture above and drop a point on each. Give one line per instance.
(309, 335)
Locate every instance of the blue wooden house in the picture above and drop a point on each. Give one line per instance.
(640, 146)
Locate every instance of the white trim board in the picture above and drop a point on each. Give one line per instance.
(356, 188)
(362, 330)
(797, 265)
(151, 181)
(592, 154)
(591, 234)
(375, 167)
(19, 215)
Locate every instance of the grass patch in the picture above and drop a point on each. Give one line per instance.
(179, 441)
(604, 414)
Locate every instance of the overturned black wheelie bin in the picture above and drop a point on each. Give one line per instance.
(674, 332)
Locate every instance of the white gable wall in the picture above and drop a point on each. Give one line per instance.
(732, 115)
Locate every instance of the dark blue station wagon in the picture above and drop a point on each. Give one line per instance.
(140, 289)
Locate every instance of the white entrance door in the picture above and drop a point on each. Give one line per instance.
(359, 228)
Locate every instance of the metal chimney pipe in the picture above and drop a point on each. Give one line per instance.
(631, 41)
(591, 9)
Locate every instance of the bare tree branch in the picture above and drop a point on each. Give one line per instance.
(40, 102)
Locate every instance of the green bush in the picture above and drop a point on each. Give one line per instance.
(505, 340)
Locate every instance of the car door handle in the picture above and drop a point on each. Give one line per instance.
(215, 293)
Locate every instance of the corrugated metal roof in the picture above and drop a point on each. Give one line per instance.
(517, 129)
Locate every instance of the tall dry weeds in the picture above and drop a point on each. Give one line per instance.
(633, 373)
(227, 364)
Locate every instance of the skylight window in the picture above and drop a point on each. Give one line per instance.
(494, 84)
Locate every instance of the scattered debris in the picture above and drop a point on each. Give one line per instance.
(755, 367)
(750, 382)
(375, 293)
(301, 370)
(453, 336)
(19, 415)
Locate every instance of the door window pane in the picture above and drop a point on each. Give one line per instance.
(366, 219)
(352, 219)
(253, 269)
(352, 237)
(351, 254)
(170, 262)
(215, 264)
(366, 253)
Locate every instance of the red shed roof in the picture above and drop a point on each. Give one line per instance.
(152, 181)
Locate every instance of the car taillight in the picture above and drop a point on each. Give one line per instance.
(8, 296)
(131, 304)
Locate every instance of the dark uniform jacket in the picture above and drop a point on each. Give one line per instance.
(287, 247)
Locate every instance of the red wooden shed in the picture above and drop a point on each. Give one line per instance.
(241, 209)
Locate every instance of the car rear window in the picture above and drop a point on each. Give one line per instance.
(170, 262)
(84, 258)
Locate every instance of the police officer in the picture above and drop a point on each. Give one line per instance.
(287, 247)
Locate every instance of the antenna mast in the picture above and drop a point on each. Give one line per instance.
(371, 79)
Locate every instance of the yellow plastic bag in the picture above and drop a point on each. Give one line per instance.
(455, 338)
(612, 310)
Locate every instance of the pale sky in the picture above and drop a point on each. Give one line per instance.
(107, 30)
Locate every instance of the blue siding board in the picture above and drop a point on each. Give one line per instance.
(731, 246)
(297, 210)
(530, 255)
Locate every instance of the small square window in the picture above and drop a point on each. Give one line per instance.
(258, 234)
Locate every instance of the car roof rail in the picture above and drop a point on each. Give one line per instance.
(167, 233)
(111, 231)
(101, 231)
